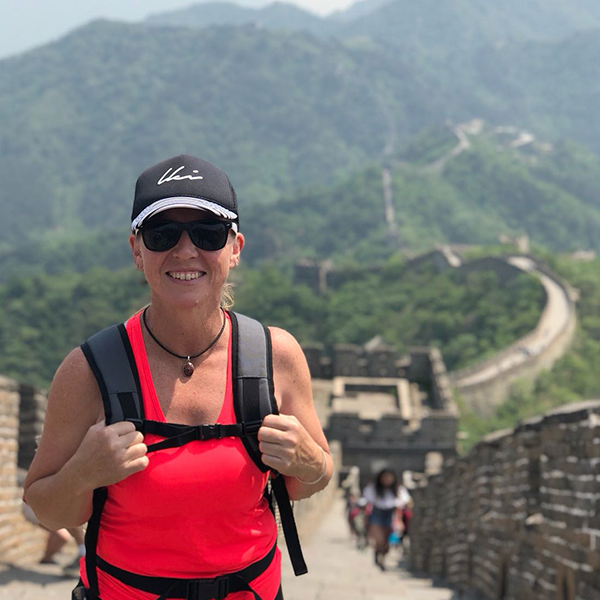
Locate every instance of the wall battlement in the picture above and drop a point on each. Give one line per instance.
(518, 518)
(394, 422)
(20, 423)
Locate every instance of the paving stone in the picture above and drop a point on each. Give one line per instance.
(337, 570)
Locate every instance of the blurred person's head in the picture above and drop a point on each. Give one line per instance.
(386, 480)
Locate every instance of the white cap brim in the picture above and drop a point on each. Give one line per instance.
(181, 202)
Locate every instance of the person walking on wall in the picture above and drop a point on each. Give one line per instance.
(384, 498)
(176, 502)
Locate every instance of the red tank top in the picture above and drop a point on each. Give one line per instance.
(195, 511)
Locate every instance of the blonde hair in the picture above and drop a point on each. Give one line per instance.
(227, 300)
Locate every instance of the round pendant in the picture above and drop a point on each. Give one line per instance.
(188, 369)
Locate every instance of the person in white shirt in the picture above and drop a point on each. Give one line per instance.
(385, 497)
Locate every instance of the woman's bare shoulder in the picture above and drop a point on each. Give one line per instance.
(74, 405)
(290, 371)
(287, 352)
(74, 382)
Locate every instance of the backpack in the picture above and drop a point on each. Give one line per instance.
(111, 359)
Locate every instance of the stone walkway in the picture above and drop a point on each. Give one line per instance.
(337, 571)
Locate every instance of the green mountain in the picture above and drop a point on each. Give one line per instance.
(282, 113)
(274, 16)
(489, 189)
(439, 24)
(358, 10)
(84, 116)
(445, 26)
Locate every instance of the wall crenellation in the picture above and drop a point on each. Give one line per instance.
(518, 518)
(18, 538)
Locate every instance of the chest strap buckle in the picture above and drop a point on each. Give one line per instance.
(203, 589)
(209, 432)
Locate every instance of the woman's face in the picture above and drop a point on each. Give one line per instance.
(209, 269)
(387, 479)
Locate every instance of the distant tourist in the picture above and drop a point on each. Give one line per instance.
(163, 432)
(385, 497)
(56, 541)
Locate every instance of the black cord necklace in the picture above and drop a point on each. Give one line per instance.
(188, 367)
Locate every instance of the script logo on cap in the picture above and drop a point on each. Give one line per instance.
(175, 177)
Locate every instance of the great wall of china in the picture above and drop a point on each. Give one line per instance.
(515, 519)
(518, 517)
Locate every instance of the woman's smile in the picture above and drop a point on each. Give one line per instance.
(186, 275)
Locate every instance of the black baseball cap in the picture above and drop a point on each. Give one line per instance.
(183, 182)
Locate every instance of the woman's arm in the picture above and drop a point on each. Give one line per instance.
(293, 442)
(77, 451)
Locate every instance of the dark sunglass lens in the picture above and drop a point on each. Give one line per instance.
(209, 235)
(161, 237)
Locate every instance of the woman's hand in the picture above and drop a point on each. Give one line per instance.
(109, 454)
(287, 447)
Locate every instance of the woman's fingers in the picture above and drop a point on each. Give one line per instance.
(135, 451)
(131, 439)
(122, 428)
(137, 465)
(270, 448)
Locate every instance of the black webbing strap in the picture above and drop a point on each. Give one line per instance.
(91, 539)
(289, 525)
(192, 589)
(177, 435)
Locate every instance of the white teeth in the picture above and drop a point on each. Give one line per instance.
(185, 276)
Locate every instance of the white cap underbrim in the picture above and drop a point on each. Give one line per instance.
(181, 202)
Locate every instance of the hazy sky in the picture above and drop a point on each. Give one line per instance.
(28, 23)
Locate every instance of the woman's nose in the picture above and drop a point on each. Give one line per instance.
(185, 248)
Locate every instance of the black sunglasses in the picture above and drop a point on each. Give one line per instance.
(160, 236)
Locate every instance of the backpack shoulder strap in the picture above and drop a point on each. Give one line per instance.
(254, 399)
(111, 359)
(252, 373)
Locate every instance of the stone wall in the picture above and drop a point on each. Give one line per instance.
(32, 409)
(308, 512)
(482, 395)
(485, 385)
(423, 422)
(18, 538)
(518, 518)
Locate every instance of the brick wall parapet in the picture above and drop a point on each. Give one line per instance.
(518, 517)
(18, 538)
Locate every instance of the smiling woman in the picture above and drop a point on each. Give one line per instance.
(172, 474)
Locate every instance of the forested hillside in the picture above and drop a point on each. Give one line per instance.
(467, 318)
(275, 16)
(457, 24)
(82, 117)
(490, 189)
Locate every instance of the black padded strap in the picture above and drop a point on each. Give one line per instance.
(111, 359)
(250, 371)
